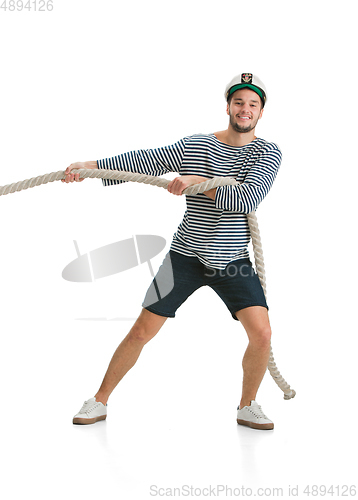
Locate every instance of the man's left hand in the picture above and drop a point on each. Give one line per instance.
(177, 185)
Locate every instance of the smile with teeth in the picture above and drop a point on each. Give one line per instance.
(244, 117)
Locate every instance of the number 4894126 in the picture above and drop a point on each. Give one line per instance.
(35, 5)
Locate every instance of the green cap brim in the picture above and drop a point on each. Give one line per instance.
(246, 86)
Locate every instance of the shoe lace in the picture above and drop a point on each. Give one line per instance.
(88, 406)
(257, 411)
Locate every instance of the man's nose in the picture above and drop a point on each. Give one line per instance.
(245, 109)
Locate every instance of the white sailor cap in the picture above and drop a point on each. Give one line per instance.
(249, 81)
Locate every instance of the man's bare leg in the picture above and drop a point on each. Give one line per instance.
(144, 329)
(255, 320)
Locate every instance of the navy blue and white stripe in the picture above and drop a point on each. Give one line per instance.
(215, 231)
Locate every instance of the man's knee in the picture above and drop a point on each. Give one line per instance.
(146, 326)
(261, 336)
(257, 325)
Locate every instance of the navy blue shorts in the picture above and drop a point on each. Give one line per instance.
(179, 276)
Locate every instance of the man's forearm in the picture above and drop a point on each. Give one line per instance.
(91, 164)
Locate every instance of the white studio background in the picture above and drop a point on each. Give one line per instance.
(91, 80)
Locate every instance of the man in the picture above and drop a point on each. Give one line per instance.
(210, 245)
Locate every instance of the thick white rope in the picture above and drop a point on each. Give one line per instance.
(161, 182)
(260, 269)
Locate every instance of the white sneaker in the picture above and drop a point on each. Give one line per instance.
(253, 417)
(92, 411)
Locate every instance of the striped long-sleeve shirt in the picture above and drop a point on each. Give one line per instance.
(215, 231)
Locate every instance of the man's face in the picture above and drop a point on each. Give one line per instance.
(244, 110)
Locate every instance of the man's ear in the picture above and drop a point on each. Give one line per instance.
(262, 110)
(228, 109)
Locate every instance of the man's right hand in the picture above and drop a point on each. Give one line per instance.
(76, 177)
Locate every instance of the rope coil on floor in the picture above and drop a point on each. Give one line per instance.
(161, 182)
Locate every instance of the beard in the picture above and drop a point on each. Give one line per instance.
(242, 129)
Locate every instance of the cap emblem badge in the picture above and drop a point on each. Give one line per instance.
(246, 78)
